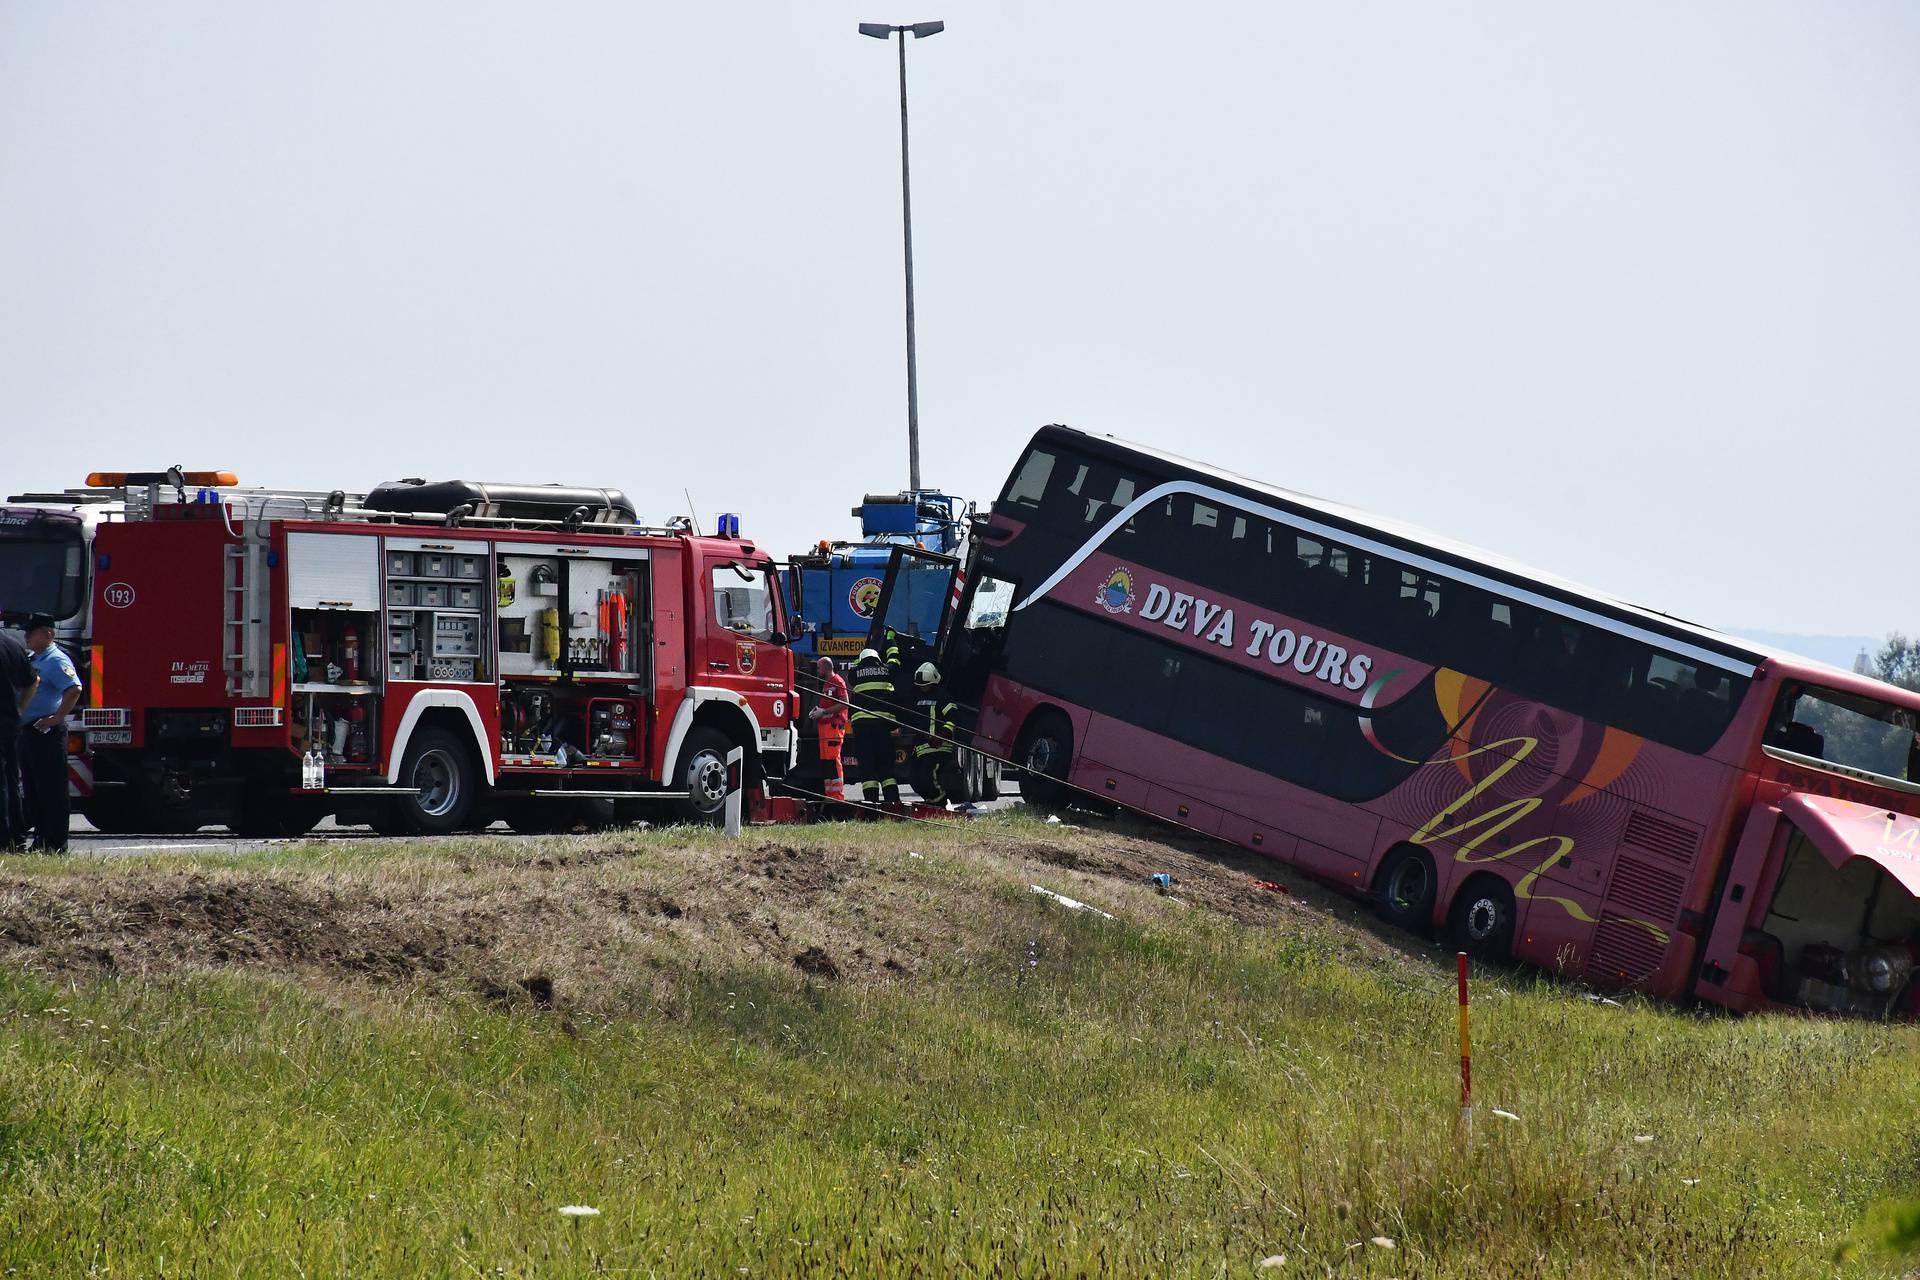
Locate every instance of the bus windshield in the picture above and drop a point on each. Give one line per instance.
(1848, 730)
(41, 574)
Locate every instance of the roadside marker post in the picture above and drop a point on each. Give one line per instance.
(734, 770)
(1466, 1048)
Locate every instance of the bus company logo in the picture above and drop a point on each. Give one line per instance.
(746, 658)
(863, 597)
(118, 595)
(1116, 593)
(193, 672)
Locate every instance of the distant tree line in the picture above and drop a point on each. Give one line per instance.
(1898, 661)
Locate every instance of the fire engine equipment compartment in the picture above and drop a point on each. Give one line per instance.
(437, 597)
(1841, 933)
(570, 615)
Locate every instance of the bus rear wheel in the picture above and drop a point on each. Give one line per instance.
(1481, 921)
(1046, 749)
(1406, 889)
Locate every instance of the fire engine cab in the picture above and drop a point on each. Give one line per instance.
(426, 658)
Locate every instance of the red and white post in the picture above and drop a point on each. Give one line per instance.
(1466, 1048)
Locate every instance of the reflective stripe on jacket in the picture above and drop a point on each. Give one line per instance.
(873, 690)
(939, 722)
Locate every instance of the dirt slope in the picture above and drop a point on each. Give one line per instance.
(611, 921)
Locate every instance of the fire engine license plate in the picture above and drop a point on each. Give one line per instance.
(109, 737)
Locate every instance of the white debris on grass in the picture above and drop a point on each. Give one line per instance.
(1073, 904)
(1384, 1242)
(1505, 1115)
(1643, 1137)
(1691, 1182)
(578, 1211)
(1053, 819)
(1272, 1261)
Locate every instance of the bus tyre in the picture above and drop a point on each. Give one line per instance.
(441, 767)
(1481, 921)
(1046, 746)
(1406, 889)
(702, 774)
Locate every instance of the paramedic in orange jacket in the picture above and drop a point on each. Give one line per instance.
(829, 715)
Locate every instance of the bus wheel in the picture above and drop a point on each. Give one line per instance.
(441, 767)
(1406, 888)
(1046, 748)
(703, 772)
(1481, 921)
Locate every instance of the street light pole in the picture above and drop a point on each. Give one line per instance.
(883, 31)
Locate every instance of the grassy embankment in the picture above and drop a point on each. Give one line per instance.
(814, 1054)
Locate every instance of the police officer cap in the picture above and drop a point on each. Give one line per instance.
(40, 622)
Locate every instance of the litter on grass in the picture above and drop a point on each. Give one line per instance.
(1505, 1115)
(1073, 904)
(579, 1211)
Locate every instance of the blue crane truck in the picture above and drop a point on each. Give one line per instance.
(835, 589)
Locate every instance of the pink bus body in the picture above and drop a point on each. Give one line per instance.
(1534, 770)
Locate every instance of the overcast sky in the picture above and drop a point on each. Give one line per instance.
(1625, 290)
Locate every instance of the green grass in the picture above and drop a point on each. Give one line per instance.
(1170, 1094)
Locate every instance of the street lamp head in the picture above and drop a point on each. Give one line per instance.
(881, 31)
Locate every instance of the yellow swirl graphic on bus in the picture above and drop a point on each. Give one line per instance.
(1485, 826)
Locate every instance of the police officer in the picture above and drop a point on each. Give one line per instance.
(874, 706)
(43, 737)
(933, 753)
(18, 684)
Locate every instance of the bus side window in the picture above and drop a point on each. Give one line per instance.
(1029, 485)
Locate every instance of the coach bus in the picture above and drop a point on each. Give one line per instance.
(1534, 770)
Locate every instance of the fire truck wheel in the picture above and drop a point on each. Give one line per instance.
(1405, 889)
(442, 768)
(703, 772)
(1481, 921)
(1046, 747)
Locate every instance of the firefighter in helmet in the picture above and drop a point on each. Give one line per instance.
(875, 707)
(933, 753)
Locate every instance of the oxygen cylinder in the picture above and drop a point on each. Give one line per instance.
(550, 634)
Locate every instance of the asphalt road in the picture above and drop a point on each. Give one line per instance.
(83, 839)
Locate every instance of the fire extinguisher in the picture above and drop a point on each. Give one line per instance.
(350, 658)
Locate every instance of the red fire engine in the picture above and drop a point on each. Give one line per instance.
(426, 658)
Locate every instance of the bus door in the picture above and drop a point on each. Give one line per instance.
(1820, 910)
(915, 601)
(1731, 973)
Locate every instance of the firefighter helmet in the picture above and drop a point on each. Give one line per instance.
(927, 676)
(869, 653)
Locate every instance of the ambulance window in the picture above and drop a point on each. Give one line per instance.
(742, 602)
